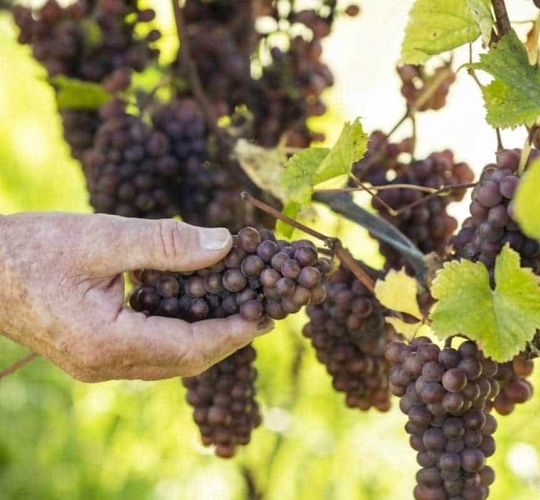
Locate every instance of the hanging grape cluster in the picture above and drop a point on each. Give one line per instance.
(349, 334)
(444, 394)
(90, 41)
(422, 217)
(416, 81)
(492, 223)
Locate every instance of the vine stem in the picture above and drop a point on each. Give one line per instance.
(192, 74)
(444, 189)
(278, 215)
(385, 187)
(18, 364)
(432, 192)
(501, 16)
(365, 188)
(332, 243)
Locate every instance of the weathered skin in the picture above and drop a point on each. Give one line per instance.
(62, 295)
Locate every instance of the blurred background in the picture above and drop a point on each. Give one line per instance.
(61, 439)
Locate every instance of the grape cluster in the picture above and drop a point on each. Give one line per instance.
(492, 223)
(221, 39)
(259, 276)
(444, 394)
(221, 64)
(382, 159)
(426, 223)
(224, 11)
(415, 80)
(88, 40)
(79, 129)
(224, 405)
(515, 389)
(130, 168)
(181, 121)
(290, 88)
(349, 333)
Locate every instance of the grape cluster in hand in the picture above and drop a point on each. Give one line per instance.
(349, 333)
(444, 394)
(259, 276)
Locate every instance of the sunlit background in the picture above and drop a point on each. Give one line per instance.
(61, 439)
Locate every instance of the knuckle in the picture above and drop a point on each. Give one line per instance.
(170, 241)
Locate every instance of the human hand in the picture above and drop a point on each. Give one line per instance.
(62, 295)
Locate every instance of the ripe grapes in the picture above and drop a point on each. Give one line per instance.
(415, 81)
(427, 224)
(349, 333)
(444, 394)
(252, 280)
(124, 166)
(492, 223)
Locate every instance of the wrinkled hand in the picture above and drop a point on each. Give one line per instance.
(62, 295)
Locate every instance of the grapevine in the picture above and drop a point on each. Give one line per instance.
(227, 135)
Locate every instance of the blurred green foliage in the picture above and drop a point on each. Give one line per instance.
(64, 440)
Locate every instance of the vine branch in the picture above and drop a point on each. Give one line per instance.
(501, 17)
(192, 74)
(332, 243)
(18, 364)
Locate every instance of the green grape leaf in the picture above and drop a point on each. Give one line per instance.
(527, 201)
(436, 26)
(503, 320)
(72, 93)
(291, 210)
(296, 180)
(513, 98)
(506, 106)
(262, 165)
(408, 330)
(481, 11)
(398, 292)
(312, 166)
(350, 146)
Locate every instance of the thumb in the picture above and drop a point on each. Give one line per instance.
(127, 244)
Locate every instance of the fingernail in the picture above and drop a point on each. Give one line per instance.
(214, 239)
(264, 325)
